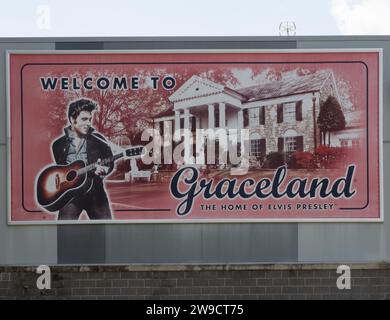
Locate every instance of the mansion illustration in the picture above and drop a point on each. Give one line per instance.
(281, 116)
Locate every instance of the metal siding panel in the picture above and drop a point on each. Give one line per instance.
(199, 38)
(149, 243)
(362, 44)
(23, 245)
(350, 241)
(3, 210)
(81, 244)
(85, 45)
(199, 44)
(250, 243)
(32, 245)
(385, 233)
(201, 243)
(354, 242)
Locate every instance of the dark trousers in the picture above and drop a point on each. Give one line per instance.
(95, 203)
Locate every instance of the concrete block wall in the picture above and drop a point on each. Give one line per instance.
(194, 282)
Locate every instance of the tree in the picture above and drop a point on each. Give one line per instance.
(124, 114)
(274, 160)
(331, 118)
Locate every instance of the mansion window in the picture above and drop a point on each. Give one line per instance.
(253, 118)
(355, 143)
(289, 112)
(290, 144)
(344, 143)
(262, 115)
(349, 143)
(258, 148)
(256, 117)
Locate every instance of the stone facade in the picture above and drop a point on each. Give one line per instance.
(272, 130)
(217, 102)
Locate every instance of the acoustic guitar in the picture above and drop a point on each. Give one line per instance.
(59, 184)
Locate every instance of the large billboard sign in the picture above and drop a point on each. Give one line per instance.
(194, 136)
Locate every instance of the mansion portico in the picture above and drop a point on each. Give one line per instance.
(280, 115)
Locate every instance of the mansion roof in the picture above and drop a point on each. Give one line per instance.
(286, 87)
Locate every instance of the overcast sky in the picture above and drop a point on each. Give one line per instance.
(44, 18)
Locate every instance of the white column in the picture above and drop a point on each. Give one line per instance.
(157, 142)
(177, 120)
(197, 123)
(167, 151)
(187, 138)
(211, 116)
(186, 119)
(240, 126)
(222, 115)
(223, 137)
(176, 134)
(199, 143)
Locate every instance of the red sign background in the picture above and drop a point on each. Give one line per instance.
(32, 130)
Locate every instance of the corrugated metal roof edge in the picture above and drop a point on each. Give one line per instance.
(197, 39)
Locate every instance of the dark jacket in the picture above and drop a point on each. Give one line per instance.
(96, 149)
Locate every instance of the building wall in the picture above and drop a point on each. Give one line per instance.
(272, 130)
(211, 282)
(348, 135)
(194, 243)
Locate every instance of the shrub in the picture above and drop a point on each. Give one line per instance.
(327, 156)
(256, 162)
(302, 160)
(274, 160)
